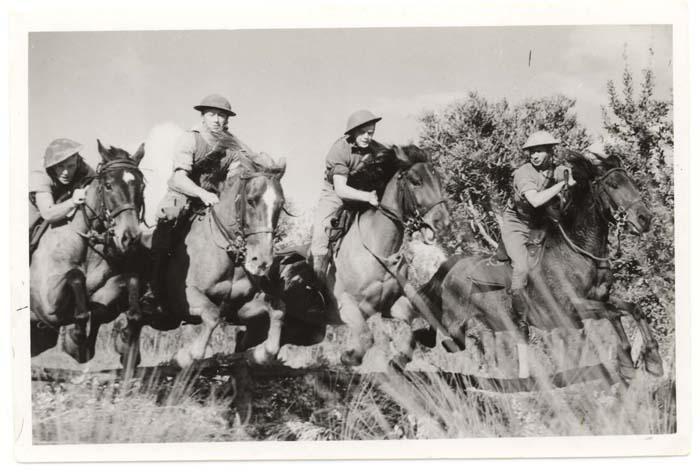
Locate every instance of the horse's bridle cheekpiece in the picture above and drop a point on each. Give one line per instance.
(236, 237)
(101, 223)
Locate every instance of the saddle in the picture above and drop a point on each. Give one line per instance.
(496, 270)
(341, 223)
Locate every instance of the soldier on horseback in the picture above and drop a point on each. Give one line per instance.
(57, 189)
(202, 161)
(347, 154)
(535, 184)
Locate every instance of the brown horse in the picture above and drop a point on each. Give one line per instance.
(571, 281)
(369, 258)
(216, 272)
(76, 274)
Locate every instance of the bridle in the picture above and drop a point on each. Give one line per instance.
(235, 237)
(101, 220)
(618, 215)
(411, 217)
(409, 220)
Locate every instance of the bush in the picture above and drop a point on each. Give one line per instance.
(478, 144)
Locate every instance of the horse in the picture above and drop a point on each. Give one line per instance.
(217, 272)
(75, 273)
(570, 283)
(369, 270)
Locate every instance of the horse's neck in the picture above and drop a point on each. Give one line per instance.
(226, 209)
(386, 235)
(79, 223)
(589, 230)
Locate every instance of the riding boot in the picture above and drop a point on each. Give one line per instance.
(161, 246)
(520, 308)
(321, 266)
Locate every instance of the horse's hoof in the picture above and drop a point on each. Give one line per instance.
(120, 330)
(451, 348)
(653, 363)
(259, 355)
(77, 346)
(626, 370)
(399, 362)
(426, 337)
(351, 358)
(183, 358)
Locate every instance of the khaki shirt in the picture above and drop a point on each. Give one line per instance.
(527, 178)
(344, 158)
(41, 182)
(186, 153)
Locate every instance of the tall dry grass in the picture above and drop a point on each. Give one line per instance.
(360, 407)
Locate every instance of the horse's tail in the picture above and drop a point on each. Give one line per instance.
(431, 294)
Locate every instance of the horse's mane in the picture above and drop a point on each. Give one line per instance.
(118, 153)
(229, 149)
(383, 163)
(586, 169)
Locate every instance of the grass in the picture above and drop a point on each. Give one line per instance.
(337, 406)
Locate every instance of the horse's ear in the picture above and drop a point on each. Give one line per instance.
(139, 154)
(592, 158)
(103, 152)
(400, 154)
(281, 164)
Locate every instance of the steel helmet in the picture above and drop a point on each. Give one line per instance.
(215, 101)
(598, 149)
(540, 138)
(60, 150)
(360, 118)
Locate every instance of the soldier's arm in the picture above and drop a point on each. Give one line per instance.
(538, 198)
(340, 185)
(182, 183)
(52, 212)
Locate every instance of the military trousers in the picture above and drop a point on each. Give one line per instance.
(516, 232)
(328, 206)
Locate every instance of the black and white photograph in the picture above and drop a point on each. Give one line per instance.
(458, 232)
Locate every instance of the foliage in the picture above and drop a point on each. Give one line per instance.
(294, 226)
(478, 144)
(641, 130)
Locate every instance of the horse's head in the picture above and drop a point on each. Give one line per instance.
(120, 187)
(614, 191)
(257, 200)
(420, 192)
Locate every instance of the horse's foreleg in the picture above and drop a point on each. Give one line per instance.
(594, 309)
(75, 342)
(261, 306)
(128, 340)
(650, 352)
(210, 314)
(360, 335)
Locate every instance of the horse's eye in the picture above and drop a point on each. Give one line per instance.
(613, 184)
(251, 201)
(108, 186)
(414, 180)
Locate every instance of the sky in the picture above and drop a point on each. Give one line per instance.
(294, 89)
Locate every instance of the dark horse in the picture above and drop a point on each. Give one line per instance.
(76, 272)
(369, 258)
(569, 283)
(216, 272)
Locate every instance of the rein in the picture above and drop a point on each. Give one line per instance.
(618, 215)
(101, 224)
(235, 237)
(409, 207)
